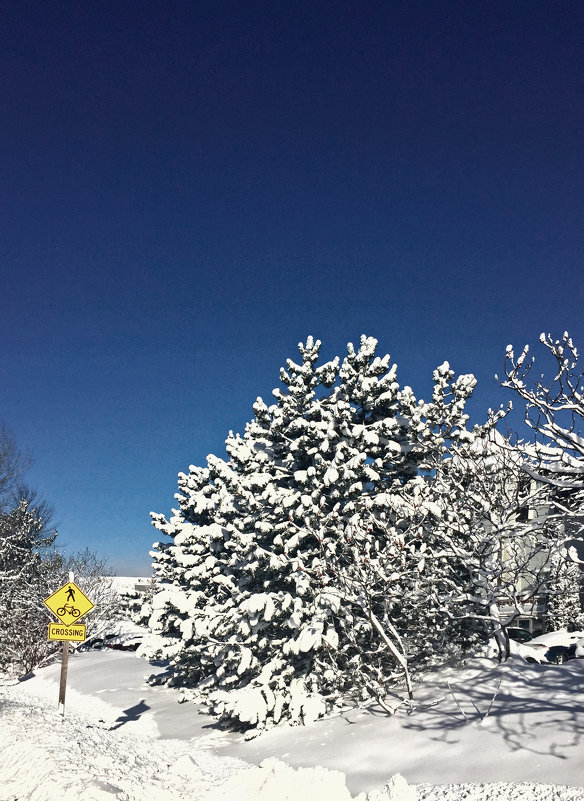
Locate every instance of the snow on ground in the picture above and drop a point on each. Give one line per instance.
(45, 756)
(122, 738)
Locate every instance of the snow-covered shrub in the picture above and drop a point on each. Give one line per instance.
(554, 459)
(93, 575)
(136, 604)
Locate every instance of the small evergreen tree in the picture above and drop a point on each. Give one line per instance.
(564, 609)
(31, 568)
(23, 586)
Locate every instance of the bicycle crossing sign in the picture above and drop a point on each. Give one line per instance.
(69, 603)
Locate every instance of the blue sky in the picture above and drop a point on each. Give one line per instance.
(190, 188)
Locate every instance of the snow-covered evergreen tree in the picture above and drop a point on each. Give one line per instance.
(31, 568)
(23, 586)
(271, 591)
(564, 608)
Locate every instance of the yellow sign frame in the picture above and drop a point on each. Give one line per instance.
(69, 603)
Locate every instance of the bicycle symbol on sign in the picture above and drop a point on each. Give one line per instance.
(68, 609)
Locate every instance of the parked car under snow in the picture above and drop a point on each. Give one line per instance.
(555, 647)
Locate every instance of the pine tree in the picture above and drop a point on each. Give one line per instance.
(31, 569)
(23, 586)
(302, 555)
(564, 609)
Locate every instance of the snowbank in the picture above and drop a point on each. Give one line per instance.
(47, 757)
(273, 780)
(483, 733)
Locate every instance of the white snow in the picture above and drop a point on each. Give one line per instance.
(479, 733)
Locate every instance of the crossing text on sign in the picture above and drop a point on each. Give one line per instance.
(58, 631)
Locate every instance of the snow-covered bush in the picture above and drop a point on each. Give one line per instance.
(93, 575)
(136, 605)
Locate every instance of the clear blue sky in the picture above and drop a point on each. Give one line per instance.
(190, 188)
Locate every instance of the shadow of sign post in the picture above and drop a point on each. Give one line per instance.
(132, 713)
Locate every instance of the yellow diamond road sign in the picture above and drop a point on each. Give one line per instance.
(69, 603)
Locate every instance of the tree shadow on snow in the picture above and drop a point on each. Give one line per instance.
(532, 707)
(26, 677)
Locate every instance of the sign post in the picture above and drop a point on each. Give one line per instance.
(63, 680)
(69, 604)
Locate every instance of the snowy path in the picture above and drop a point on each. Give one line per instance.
(119, 679)
(148, 746)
